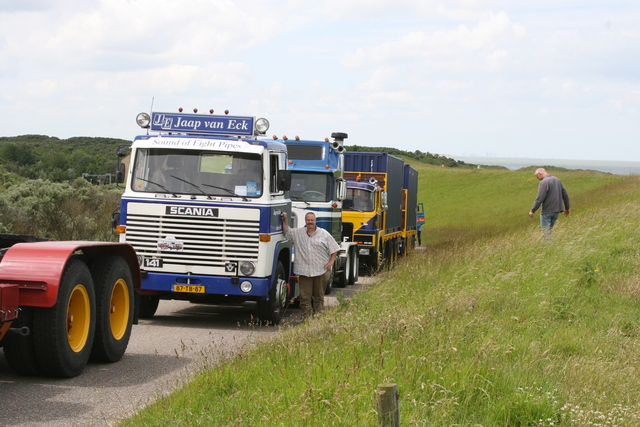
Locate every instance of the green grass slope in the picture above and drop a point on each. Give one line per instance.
(489, 326)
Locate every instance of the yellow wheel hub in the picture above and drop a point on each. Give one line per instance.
(78, 318)
(120, 306)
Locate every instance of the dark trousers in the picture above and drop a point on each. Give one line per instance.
(312, 290)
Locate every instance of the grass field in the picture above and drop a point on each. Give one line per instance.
(488, 326)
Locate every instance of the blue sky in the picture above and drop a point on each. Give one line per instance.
(535, 79)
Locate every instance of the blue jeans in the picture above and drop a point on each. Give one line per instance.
(547, 221)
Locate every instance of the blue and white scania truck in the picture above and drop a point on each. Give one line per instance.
(202, 208)
(318, 186)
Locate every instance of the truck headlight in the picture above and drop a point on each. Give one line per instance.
(247, 268)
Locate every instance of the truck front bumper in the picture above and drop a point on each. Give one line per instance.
(207, 285)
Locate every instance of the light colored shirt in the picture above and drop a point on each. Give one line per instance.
(313, 252)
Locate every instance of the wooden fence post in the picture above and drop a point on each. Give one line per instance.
(388, 409)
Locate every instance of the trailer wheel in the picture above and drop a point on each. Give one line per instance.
(272, 310)
(393, 252)
(353, 277)
(63, 334)
(19, 350)
(114, 308)
(148, 306)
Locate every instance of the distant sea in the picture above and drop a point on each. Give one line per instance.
(513, 163)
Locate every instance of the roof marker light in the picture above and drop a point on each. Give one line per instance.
(211, 111)
(326, 140)
(180, 109)
(195, 110)
(226, 111)
(275, 137)
(297, 138)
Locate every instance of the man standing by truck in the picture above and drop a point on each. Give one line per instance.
(315, 252)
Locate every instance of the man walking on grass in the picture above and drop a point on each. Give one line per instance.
(315, 252)
(553, 198)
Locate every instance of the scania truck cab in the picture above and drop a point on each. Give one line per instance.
(202, 208)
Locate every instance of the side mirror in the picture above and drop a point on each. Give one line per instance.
(284, 180)
(119, 173)
(384, 202)
(122, 151)
(115, 220)
(341, 185)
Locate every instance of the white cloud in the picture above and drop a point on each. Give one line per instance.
(445, 76)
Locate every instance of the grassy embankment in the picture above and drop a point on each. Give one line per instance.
(487, 326)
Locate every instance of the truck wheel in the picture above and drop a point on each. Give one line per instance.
(343, 280)
(148, 306)
(114, 308)
(63, 334)
(353, 277)
(19, 350)
(272, 311)
(329, 287)
(375, 261)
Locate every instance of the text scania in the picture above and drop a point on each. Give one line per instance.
(192, 211)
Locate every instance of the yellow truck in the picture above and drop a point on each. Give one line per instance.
(380, 206)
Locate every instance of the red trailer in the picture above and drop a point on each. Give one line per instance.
(63, 303)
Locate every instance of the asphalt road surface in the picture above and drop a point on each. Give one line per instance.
(163, 353)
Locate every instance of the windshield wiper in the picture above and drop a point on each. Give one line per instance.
(299, 199)
(233, 193)
(159, 185)
(191, 184)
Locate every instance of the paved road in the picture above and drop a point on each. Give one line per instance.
(163, 352)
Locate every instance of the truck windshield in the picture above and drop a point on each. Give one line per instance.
(310, 187)
(358, 200)
(161, 170)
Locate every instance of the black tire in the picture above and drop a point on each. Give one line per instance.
(343, 279)
(271, 311)
(114, 308)
(330, 282)
(148, 306)
(353, 277)
(63, 334)
(375, 261)
(19, 350)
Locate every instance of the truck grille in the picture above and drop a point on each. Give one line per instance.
(206, 241)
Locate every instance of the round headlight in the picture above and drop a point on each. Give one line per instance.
(247, 268)
(246, 287)
(262, 126)
(143, 120)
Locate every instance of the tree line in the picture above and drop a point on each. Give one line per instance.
(42, 191)
(54, 159)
